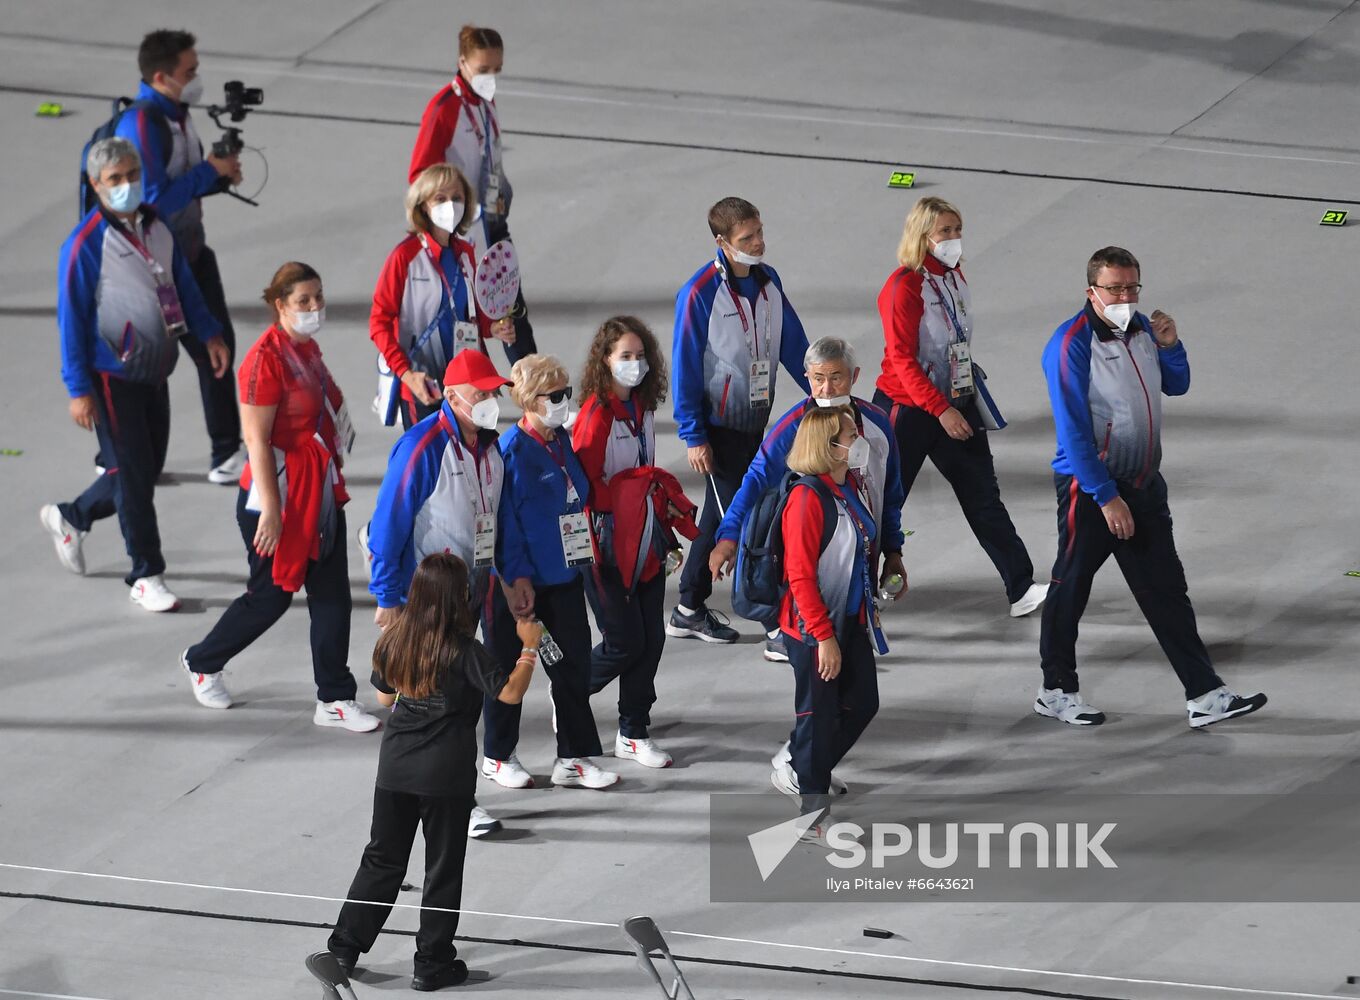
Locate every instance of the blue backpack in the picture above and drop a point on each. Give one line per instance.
(86, 199)
(759, 581)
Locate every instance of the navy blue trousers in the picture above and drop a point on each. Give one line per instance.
(968, 468)
(1151, 567)
(134, 429)
(829, 715)
(634, 634)
(562, 609)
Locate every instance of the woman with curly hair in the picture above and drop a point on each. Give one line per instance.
(623, 381)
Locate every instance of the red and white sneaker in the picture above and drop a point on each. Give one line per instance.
(151, 593)
(208, 689)
(508, 773)
(345, 715)
(581, 772)
(644, 751)
(66, 538)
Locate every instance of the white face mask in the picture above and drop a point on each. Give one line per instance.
(857, 456)
(948, 252)
(447, 214)
(306, 324)
(485, 414)
(833, 401)
(742, 258)
(555, 414)
(191, 92)
(1118, 313)
(630, 373)
(484, 86)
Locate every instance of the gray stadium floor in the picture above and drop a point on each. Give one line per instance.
(1207, 135)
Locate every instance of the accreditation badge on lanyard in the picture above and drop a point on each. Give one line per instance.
(960, 354)
(759, 373)
(578, 543)
(167, 296)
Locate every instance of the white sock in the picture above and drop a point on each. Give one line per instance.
(687, 612)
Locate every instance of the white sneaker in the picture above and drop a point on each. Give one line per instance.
(783, 779)
(508, 773)
(481, 822)
(581, 772)
(1035, 596)
(66, 538)
(1220, 704)
(785, 756)
(228, 473)
(366, 553)
(345, 715)
(151, 593)
(208, 688)
(644, 751)
(1055, 703)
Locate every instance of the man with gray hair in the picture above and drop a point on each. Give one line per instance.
(831, 372)
(125, 295)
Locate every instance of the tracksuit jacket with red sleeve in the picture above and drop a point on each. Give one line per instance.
(824, 563)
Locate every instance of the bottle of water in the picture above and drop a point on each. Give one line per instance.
(673, 561)
(892, 586)
(549, 652)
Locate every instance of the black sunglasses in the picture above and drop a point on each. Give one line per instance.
(558, 396)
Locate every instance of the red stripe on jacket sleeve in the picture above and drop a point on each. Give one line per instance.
(901, 307)
(803, 527)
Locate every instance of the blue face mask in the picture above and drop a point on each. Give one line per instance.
(123, 197)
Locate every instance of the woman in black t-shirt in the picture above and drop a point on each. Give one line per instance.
(430, 665)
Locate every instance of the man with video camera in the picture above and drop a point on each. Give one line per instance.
(176, 176)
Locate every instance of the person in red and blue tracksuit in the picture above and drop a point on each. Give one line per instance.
(125, 295)
(832, 372)
(734, 327)
(829, 536)
(1107, 369)
(176, 177)
(461, 126)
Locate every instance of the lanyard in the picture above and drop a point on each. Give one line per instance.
(752, 341)
(151, 262)
(477, 452)
(558, 455)
(948, 302)
(634, 420)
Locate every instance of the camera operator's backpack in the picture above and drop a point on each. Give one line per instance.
(759, 581)
(86, 199)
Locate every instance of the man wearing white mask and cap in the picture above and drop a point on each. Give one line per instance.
(441, 493)
(1107, 369)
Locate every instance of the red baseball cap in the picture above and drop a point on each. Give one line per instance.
(475, 369)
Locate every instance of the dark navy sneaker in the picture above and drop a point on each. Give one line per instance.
(454, 975)
(710, 626)
(774, 648)
(1220, 704)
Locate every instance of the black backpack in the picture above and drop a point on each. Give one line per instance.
(86, 199)
(759, 581)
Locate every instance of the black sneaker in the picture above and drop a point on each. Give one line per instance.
(710, 626)
(774, 649)
(454, 975)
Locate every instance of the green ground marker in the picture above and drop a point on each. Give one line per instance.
(1335, 217)
(902, 179)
